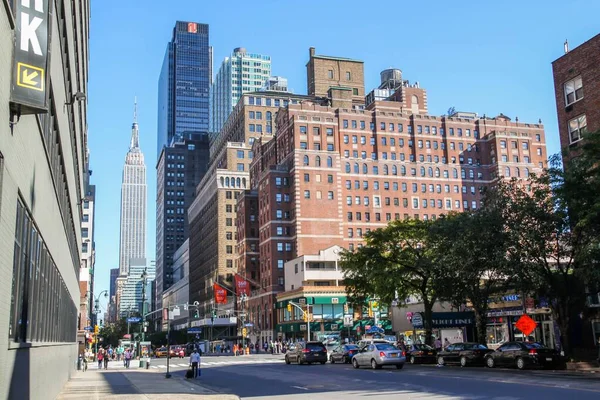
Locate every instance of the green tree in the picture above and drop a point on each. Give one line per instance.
(396, 262)
(548, 250)
(473, 249)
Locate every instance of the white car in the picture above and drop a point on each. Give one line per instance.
(376, 355)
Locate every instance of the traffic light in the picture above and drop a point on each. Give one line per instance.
(96, 329)
(289, 307)
(346, 308)
(305, 317)
(196, 314)
(370, 310)
(244, 332)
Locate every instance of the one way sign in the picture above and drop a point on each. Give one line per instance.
(31, 55)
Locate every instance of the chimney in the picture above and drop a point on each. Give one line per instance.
(566, 46)
(311, 52)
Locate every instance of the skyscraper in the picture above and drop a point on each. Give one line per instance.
(114, 274)
(133, 203)
(240, 73)
(183, 86)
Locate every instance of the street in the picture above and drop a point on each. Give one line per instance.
(267, 377)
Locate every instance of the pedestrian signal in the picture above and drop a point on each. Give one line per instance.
(289, 308)
(96, 329)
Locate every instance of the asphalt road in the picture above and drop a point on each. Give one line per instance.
(252, 379)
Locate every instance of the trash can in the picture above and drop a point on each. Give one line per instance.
(79, 362)
(142, 363)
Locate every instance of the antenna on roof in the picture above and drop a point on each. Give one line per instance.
(135, 110)
(566, 46)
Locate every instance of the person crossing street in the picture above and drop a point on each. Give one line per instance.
(195, 363)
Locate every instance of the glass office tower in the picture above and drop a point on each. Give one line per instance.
(184, 83)
(240, 73)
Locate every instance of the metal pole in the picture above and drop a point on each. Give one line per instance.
(168, 375)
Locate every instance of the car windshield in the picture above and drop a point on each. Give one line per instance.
(474, 346)
(534, 346)
(422, 347)
(385, 347)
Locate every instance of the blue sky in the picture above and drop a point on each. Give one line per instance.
(482, 56)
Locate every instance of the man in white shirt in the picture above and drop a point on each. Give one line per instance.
(195, 362)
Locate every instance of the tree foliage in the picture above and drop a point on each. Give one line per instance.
(398, 262)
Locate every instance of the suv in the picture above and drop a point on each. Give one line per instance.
(308, 352)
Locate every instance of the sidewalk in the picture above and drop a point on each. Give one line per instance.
(135, 385)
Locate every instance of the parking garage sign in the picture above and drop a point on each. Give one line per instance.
(30, 63)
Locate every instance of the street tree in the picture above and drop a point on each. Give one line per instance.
(473, 249)
(548, 250)
(397, 262)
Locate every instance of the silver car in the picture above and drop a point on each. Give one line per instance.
(376, 355)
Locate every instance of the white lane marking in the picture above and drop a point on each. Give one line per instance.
(300, 387)
(162, 366)
(183, 365)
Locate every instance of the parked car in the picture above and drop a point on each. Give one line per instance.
(523, 355)
(178, 351)
(308, 352)
(160, 352)
(463, 353)
(343, 353)
(365, 342)
(421, 353)
(377, 355)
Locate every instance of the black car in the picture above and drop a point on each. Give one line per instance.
(463, 353)
(343, 353)
(420, 353)
(308, 352)
(523, 355)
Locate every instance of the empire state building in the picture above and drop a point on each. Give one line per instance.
(133, 203)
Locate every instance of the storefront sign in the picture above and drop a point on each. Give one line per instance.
(445, 319)
(417, 320)
(30, 61)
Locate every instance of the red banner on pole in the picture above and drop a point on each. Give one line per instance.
(220, 294)
(242, 286)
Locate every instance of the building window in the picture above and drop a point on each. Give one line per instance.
(330, 195)
(573, 90)
(279, 246)
(279, 264)
(354, 91)
(577, 128)
(306, 177)
(229, 249)
(86, 205)
(240, 167)
(307, 194)
(348, 76)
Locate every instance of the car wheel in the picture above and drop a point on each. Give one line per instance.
(355, 363)
(520, 363)
(322, 362)
(413, 360)
(346, 360)
(374, 364)
(287, 360)
(490, 362)
(399, 366)
(463, 361)
(440, 360)
(331, 360)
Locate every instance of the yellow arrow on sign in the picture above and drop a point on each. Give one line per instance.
(28, 79)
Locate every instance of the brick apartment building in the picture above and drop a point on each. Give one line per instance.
(577, 90)
(212, 215)
(337, 169)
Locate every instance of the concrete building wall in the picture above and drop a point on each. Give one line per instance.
(38, 365)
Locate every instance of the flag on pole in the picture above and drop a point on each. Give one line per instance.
(242, 286)
(220, 294)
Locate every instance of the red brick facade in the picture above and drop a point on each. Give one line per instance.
(334, 171)
(577, 90)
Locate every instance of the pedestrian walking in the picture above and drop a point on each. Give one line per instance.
(437, 344)
(100, 357)
(105, 359)
(195, 363)
(127, 357)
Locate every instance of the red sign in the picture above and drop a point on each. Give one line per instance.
(192, 27)
(367, 327)
(526, 325)
(220, 294)
(529, 303)
(242, 286)
(127, 336)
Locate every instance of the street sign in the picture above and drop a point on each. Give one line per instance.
(88, 328)
(30, 60)
(194, 329)
(526, 325)
(417, 320)
(134, 320)
(334, 327)
(348, 321)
